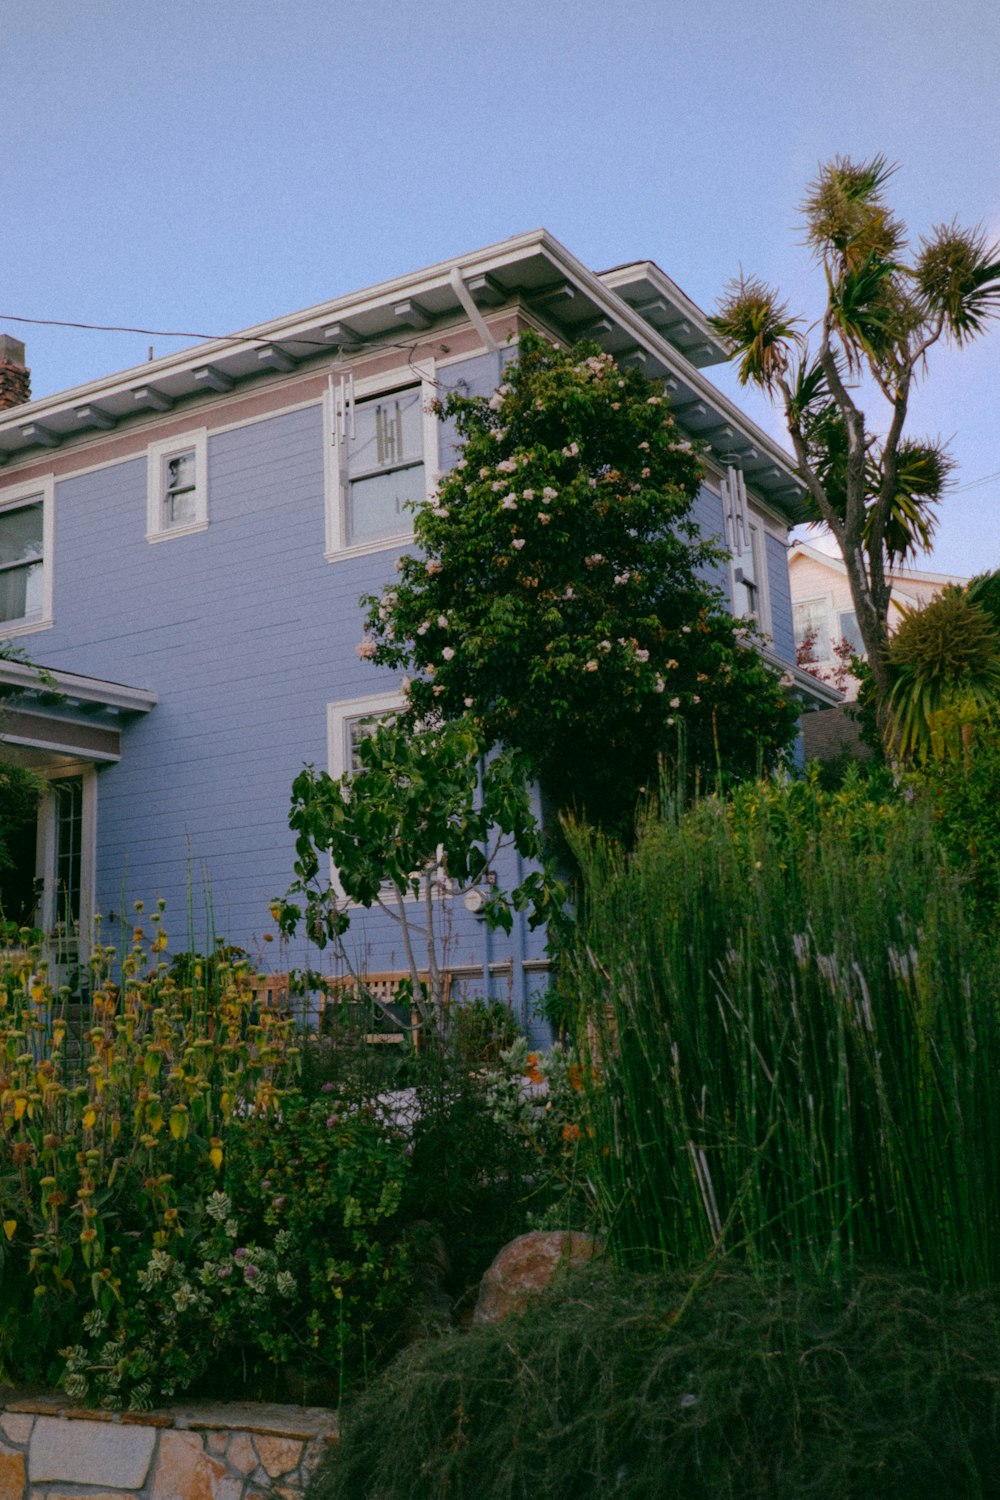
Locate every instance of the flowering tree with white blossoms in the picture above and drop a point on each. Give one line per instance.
(559, 596)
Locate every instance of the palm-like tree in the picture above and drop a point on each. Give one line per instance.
(875, 491)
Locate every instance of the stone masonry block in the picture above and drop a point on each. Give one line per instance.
(94, 1453)
(16, 1426)
(278, 1455)
(241, 1453)
(184, 1471)
(12, 1473)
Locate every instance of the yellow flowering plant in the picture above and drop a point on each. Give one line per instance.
(116, 1107)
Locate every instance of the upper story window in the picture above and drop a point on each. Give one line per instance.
(26, 558)
(379, 467)
(177, 493)
(811, 622)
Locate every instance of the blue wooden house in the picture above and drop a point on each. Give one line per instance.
(183, 547)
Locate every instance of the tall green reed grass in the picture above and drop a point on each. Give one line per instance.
(794, 1037)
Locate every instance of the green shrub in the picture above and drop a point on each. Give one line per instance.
(330, 1180)
(745, 1387)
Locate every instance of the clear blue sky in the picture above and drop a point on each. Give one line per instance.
(205, 164)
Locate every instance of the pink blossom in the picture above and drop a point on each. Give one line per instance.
(644, 473)
(642, 656)
(659, 685)
(366, 649)
(441, 511)
(622, 577)
(685, 630)
(654, 401)
(448, 653)
(468, 702)
(571, 450)
(518, 543)
(671, 662)
(549, 493)
(591, 666)
(544, 517)
(463, 463)
(443, 621)
(433, 566)
(529, 495)
(675, 703)
(423, 628)
(695, 698)
(485, 473)
(644, 447)
(593, 560)
(509, 502)
(506, 466)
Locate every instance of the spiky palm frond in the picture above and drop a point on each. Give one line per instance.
(945, 655)
(958, 274)
(923, 471)
(759, 329)
(863, 309)
(845, 211)
(809, 388)
(984, 590)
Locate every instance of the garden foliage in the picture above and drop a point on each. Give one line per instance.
(171, 1208)
(798, 1031)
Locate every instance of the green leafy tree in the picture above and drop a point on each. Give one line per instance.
(874, 486)
(425, 814)
(558, 593)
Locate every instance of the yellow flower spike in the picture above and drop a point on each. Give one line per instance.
(215, 1155)
(89, 1118)
(20, 1105)
(9, 1226)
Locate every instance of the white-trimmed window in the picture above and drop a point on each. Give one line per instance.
(26, 549)
(811, 621)
(378, 448)
(177, 486)
(348, 723)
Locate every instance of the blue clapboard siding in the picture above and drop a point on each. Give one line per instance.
(708, 515)
(782, 632)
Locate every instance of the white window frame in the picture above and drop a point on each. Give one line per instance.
(45, 860)
(157, 457)
(338, 716)
(824, 640)
(13, 498)
(336, 406)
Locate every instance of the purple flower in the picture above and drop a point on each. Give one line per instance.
(249, 1271)
(327, 1088)
(240, 1255)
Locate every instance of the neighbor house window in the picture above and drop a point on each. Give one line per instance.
(26, 558)
(177, 493)
(811, 621)
(379, 473)
(850, 633)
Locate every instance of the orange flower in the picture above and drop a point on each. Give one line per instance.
(575, 1077)
(571, 1132)
(532, 1071)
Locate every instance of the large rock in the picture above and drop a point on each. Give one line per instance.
(526, 1266)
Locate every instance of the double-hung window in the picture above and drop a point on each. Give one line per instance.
(378, 448)
(348, 723)
(177, 486)
(26, 558)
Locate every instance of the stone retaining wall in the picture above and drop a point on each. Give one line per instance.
(51, 1450)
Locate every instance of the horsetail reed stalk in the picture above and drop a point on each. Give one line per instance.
(795, 1039)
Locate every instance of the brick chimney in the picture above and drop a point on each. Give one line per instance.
(15, 378)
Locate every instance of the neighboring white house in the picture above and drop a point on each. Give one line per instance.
(822, 607)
